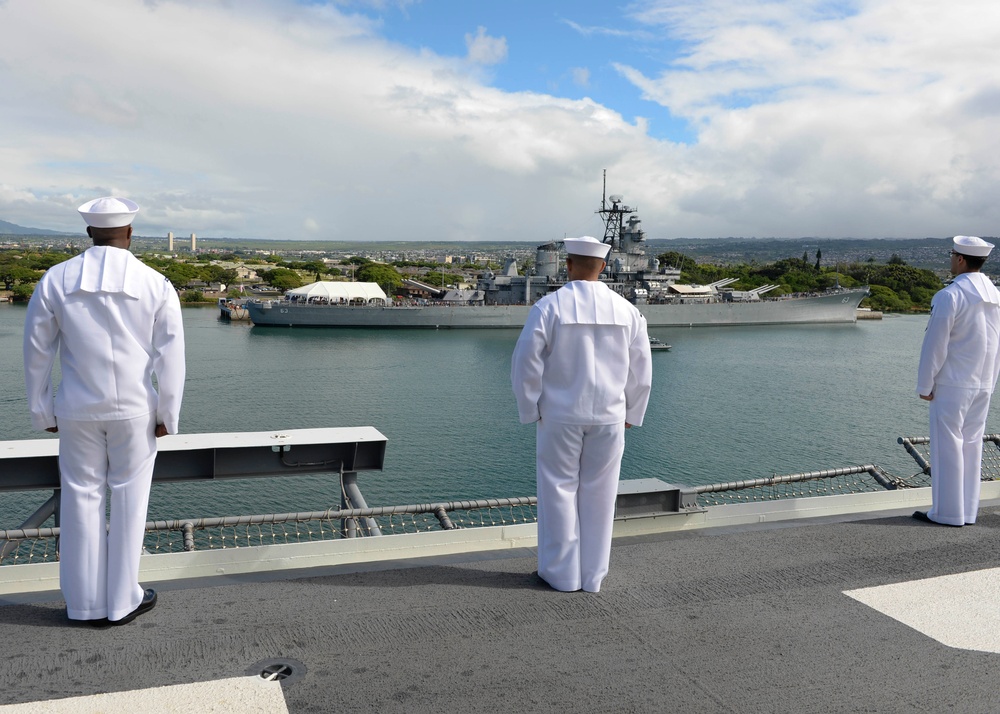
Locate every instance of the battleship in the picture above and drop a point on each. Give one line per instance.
(503, 300)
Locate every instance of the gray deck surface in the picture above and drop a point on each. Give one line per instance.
(746, 620)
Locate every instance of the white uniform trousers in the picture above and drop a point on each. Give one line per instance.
(577, 482)
(99, 568)
(957, 423)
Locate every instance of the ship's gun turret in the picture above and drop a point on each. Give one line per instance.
(721, 284)
(749, 295)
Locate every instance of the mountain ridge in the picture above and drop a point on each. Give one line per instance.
(12, 229)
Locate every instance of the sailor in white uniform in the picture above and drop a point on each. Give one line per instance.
(959, 364)
(114, 323)
(581, 371)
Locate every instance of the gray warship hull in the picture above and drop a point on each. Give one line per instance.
(504, 300)
(833, 307)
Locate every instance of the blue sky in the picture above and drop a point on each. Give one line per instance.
(443, 120)
(563, 49)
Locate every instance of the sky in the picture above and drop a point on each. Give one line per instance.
(357, 120)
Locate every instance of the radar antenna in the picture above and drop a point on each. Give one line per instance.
(614, 216)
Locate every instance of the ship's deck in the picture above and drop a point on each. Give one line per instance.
(751, 618)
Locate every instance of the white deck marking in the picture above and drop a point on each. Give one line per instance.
(245, 695)
(959, 611)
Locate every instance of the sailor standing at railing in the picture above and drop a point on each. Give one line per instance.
(114, 323)
(959, 364)
(581, 371)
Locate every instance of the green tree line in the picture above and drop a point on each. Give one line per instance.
(20, 270)
(895, 286)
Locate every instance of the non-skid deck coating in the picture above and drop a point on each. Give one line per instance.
(748, 620)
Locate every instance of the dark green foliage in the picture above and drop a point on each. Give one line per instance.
(896, 286)
(282, 278)
(22, 291)
(386, 276)
(439, 279)
(674, 259)
(18, 268)
(192, 296)
(898, 276)
(180, 274)
(886, 299)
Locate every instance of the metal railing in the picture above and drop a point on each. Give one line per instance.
(34, 545)
(37, 544)
(852, 479)
(918, 447)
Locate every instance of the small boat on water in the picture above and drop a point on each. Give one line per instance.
(233, 309)
(656, 344)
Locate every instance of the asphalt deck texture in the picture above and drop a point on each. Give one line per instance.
(744, 620)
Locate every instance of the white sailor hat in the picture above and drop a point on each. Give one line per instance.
(108, 212)
(587, 245)
(971, 245)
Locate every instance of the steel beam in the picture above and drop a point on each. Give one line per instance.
(34, 465)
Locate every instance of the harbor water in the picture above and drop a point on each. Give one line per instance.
(727, 403)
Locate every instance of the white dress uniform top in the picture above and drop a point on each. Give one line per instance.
(581, 369)
(959, 364)
(114, 322)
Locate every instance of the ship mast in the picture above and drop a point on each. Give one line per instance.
(613, 216)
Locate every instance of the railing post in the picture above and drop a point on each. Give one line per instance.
(442, 515)
(36, 519)
(351, 492)
(188, 530)
(907, 443)
(348, 526)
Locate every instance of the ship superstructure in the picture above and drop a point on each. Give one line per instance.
(503, 299)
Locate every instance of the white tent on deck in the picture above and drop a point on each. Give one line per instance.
(337, 292)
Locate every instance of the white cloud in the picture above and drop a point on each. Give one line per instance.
(581, 76)
(275, 112)
(591, 30)
(867, 119)
(484, 49)
(274, 119)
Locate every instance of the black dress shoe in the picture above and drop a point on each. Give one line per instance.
(147, 604)
(923, 517)
(100, 622)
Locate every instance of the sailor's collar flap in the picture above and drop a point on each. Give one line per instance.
(581, 302)
(979, 287)
(103, 269)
